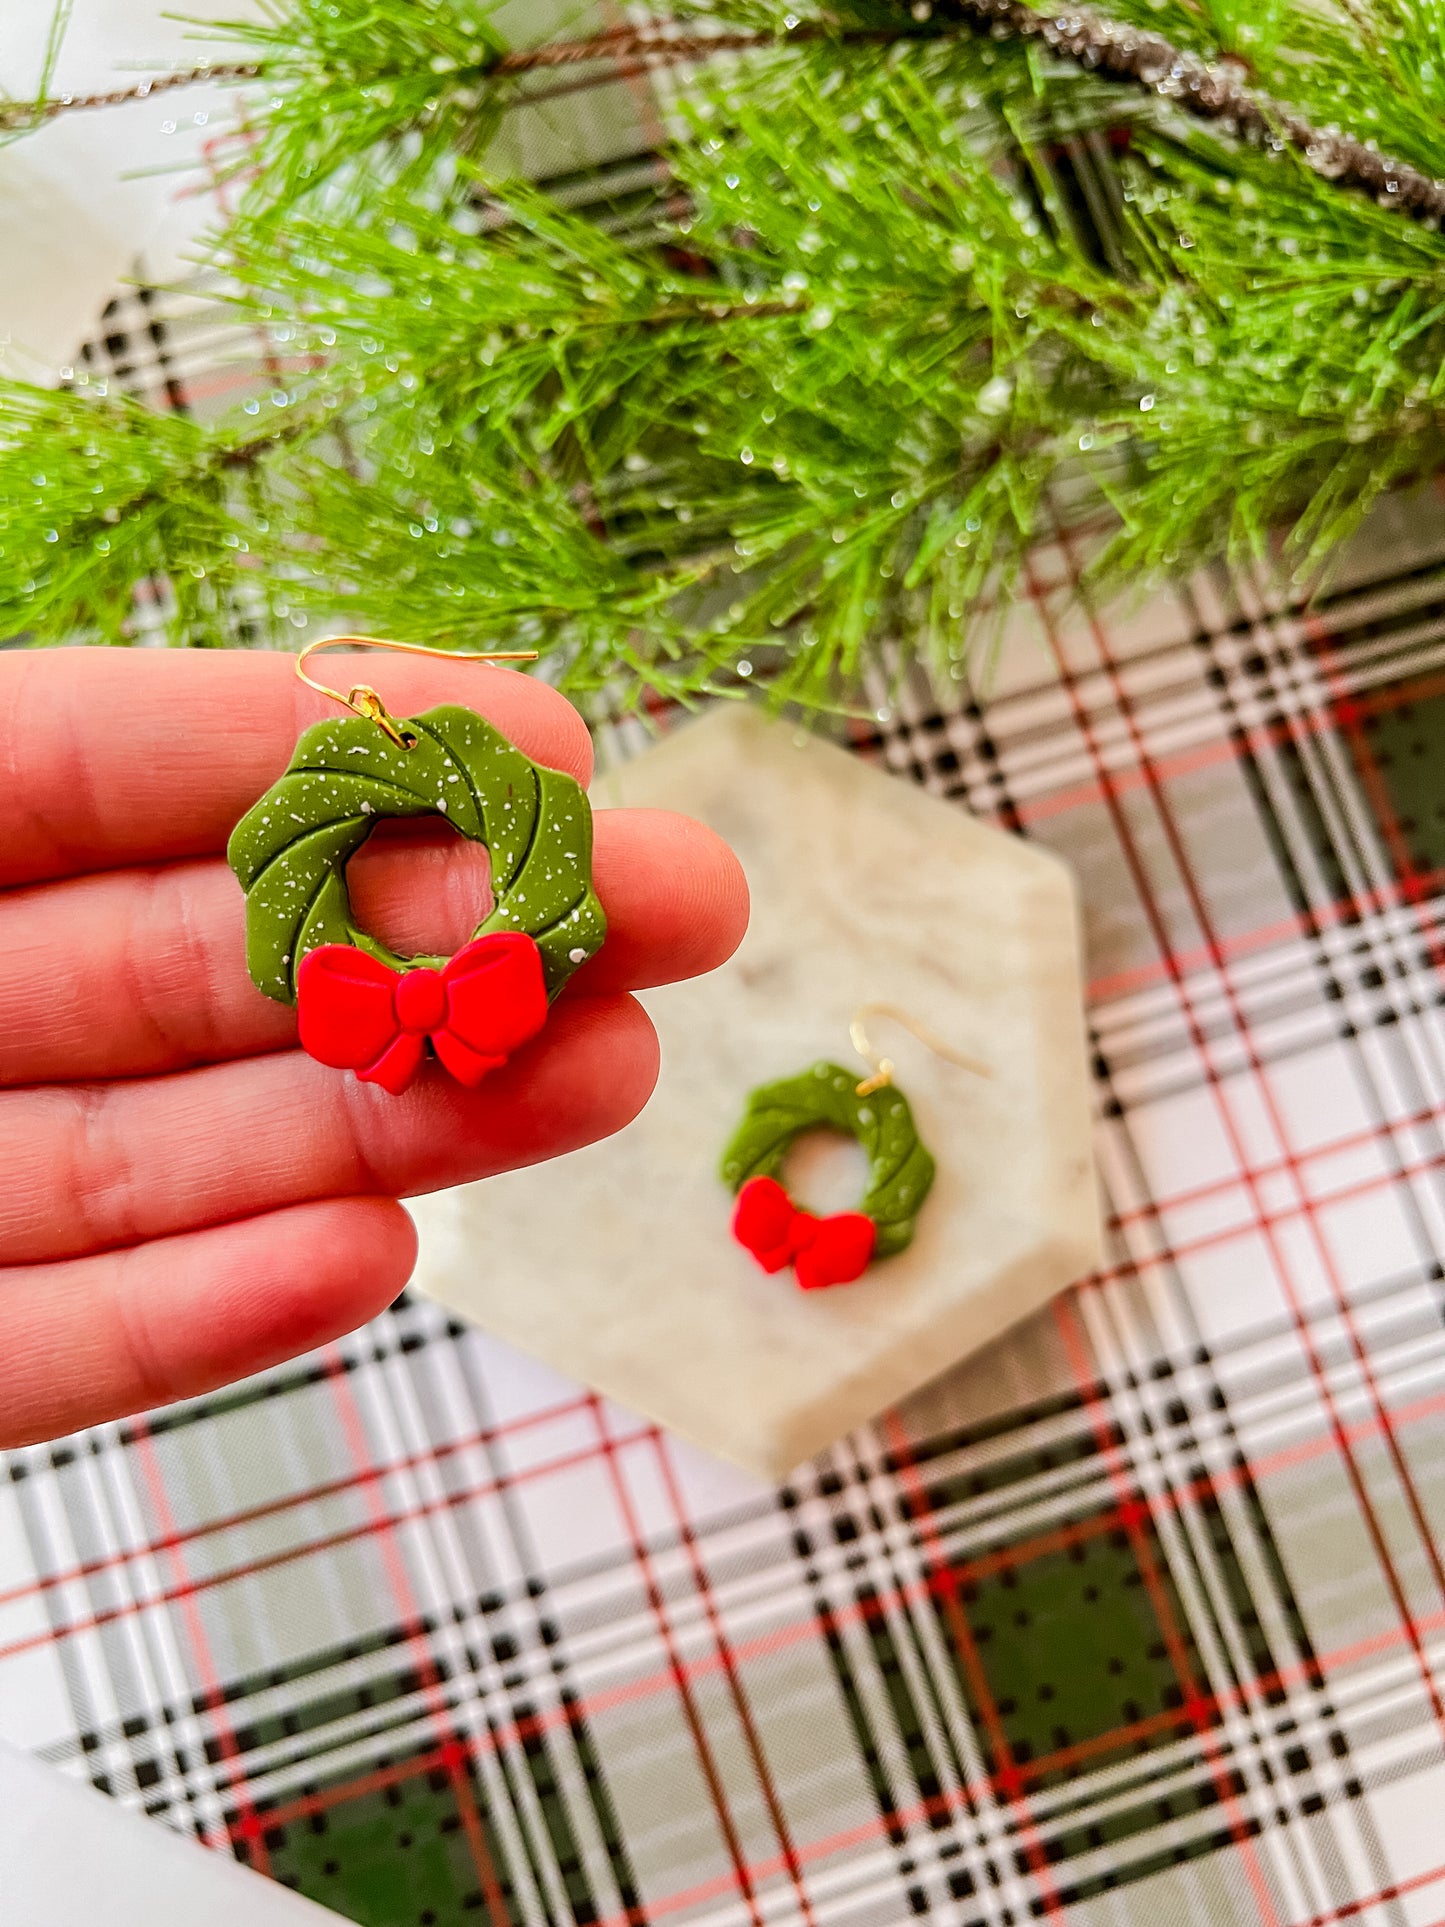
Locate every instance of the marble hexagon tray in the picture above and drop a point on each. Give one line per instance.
(615, 1264)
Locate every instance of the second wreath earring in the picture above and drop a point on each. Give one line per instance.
(360, 1007)
(838, 1249)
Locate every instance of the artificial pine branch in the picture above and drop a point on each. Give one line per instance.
(895, 310)
(1115, 49)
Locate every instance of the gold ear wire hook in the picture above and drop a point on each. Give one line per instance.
(882, 1075)
(364, 701)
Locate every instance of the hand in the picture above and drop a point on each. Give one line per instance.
(186, 1196)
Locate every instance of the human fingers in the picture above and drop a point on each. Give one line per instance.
(99, 1337)
(676, 900)
(96, 1166)
(137, 972)
(113, 756)
(675, 896)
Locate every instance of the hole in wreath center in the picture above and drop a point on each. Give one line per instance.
(419, 886)
(825, 1172)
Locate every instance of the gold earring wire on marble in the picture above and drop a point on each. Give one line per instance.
(882, 1067)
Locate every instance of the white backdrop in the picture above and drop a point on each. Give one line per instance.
(85, 198)
(91, 197)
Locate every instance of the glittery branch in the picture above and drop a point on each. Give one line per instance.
(21, 117)
(1213, 91)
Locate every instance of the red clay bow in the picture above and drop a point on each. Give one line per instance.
(822, 1251)
(357, 1014)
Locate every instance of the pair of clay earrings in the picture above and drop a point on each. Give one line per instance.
(362, 1008)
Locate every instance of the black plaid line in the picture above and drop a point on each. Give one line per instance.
(1119, 1107)
(564, 1770)
(355, 1847)
(1058, 1840)
(418, 1325)
(1285, 1751)
(449, 1704)
(373, 1347)
(909, 1743)
(1061, 1832)
(1380, 1110)
(1042, 1826)
(1336, 1741)
(1378, 981)
(146, 1756)
(949, 749)
(133, 349)
(482, 1641)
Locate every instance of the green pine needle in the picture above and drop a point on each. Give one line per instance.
(894, 313)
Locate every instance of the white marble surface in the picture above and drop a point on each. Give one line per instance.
(616, 1264)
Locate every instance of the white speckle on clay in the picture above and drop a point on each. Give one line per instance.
(367, 810)
(579, 955)
(865, 1115)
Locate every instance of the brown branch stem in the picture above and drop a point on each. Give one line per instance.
(1213, 91)
(20, 117)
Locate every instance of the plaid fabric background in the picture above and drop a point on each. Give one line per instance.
(1138, 1619)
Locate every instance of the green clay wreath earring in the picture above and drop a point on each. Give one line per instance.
(839, 1249)
(359, 1006)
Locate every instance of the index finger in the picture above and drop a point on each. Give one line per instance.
(114, 756)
